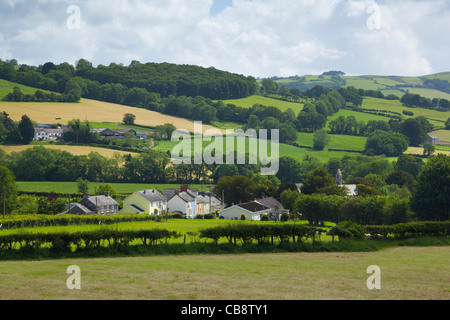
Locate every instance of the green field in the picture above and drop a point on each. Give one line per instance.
(71, 187)
(407, 273)
(359, 116)
(6, 87)
(342, 142)
(436, 118)
(268, 102)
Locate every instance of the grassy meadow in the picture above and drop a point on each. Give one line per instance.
(252, 100)
(71, 187)
(407, 273)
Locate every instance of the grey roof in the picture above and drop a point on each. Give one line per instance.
(186, 197)
(253, 206)
(202, 199)
(136, 208)
(169, 193)
(99, 201)
(152, 195)
(270, 202)
(77, 208)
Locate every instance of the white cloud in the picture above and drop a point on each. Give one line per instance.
(252, 37)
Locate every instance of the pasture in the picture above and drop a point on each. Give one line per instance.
(71, 187)
(93, 111)
(75, 150)
(268, 102)
(407, 273)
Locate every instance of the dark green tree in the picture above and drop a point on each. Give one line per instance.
(129, 119)
(8, 190)
(431, 198)
(26, 129)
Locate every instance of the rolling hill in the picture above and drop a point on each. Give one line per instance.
(396, 85)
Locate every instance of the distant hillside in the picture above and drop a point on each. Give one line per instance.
(429, 86)
(131, 84)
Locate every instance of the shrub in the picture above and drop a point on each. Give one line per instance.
(284, 217)
(243, 217)
(347, 230)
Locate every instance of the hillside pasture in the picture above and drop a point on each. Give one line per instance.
(268, 102)
(75, 150)
(443, 135)
(435, 117)
(93, 111)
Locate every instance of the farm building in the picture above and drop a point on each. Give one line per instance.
(150, 202)
(252, 210)
(104, 205)
(113, 133)
(432, 139)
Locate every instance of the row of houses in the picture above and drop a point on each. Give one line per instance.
(184, 200)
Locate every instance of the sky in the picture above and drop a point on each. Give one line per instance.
(260, 38)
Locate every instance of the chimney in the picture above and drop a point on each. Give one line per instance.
(184, 188)
(177, 191)
(107, 194)
(86, 196)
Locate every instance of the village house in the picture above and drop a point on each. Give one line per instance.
(150, 202)
(276, 208)
(89, 205)
(49, 134)
(203, 203)
(252, 211)
(184, 203)
(351, 188)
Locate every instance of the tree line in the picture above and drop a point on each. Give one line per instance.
(116, 82)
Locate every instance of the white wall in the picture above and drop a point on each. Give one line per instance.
(235, 212)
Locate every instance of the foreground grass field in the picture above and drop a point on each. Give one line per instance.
(407, 273)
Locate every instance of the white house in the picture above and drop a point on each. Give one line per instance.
(150, 202)
(44, 134)
(182, 202)
(252, 210)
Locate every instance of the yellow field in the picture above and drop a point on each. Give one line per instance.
(75, 150)
(93, 111)
(419, 151)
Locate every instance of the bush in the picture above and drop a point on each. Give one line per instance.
(284, 217)
(243, 217)
(265, 217)
(348, 230)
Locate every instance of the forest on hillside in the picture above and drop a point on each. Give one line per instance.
(136, 82)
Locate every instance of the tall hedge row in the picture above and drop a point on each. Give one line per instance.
(65, 220)
(411, 229)
(86, 239)
(262, 233)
